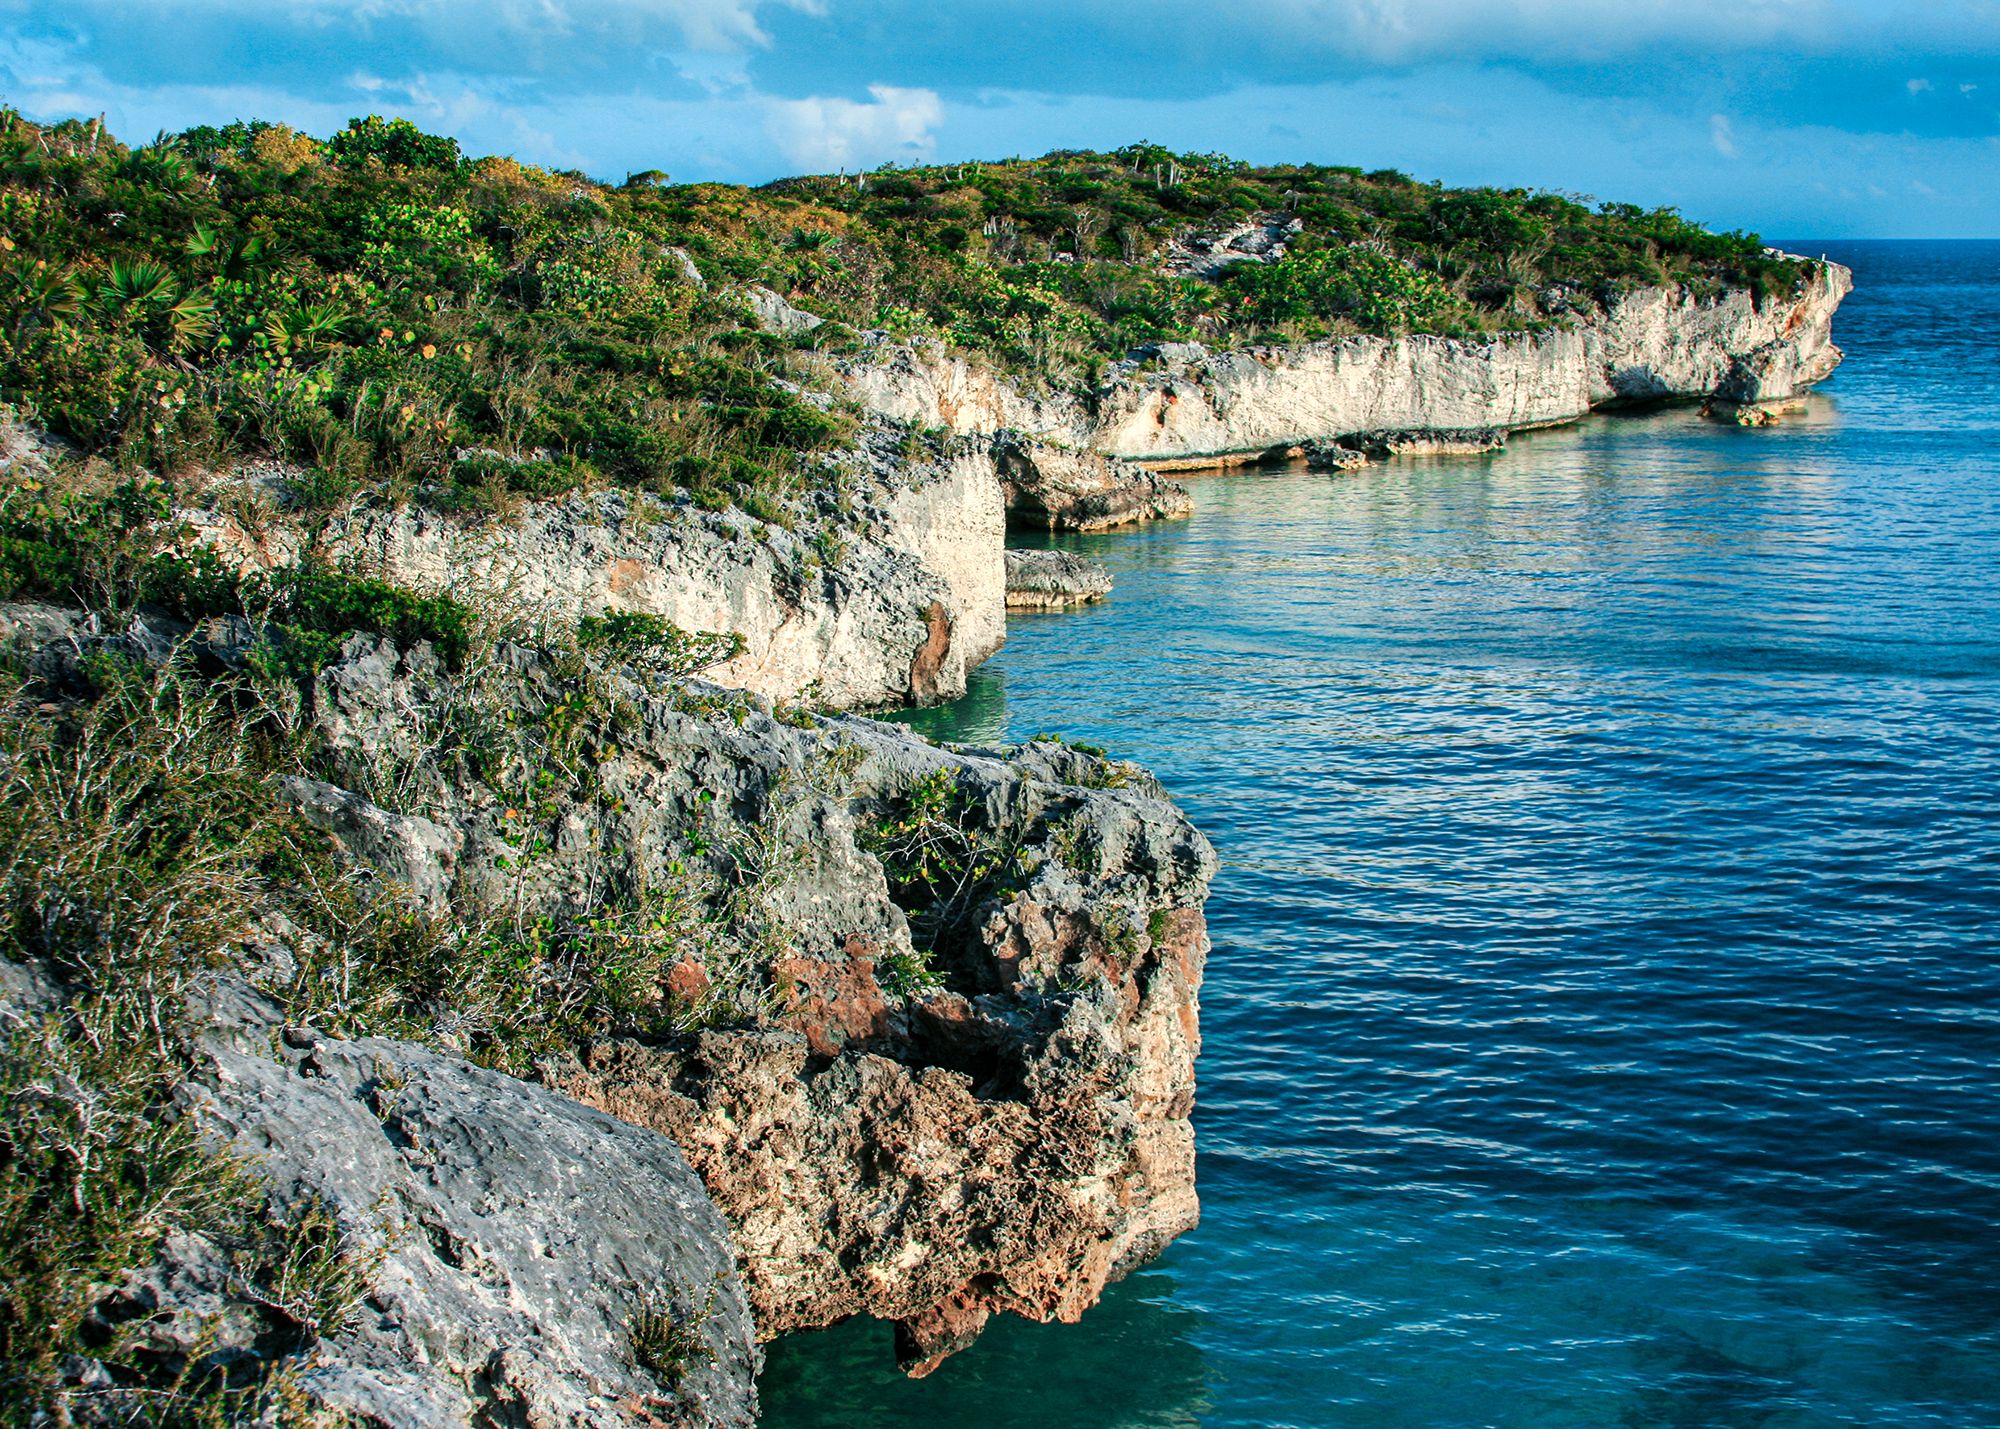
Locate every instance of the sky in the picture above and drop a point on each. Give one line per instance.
(1794, 118)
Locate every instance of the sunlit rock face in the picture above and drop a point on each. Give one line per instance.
(1181, 403)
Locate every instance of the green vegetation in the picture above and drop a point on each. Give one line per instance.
(943, 862)
(388, 313)
(402, 323)
(667, 1334)
(383, 313)
(138, 839)
(1053, 265)
(145, 841)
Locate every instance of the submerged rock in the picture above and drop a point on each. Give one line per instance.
(1053, 580)
(1356, 450)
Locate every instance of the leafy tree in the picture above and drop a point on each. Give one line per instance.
(396, 143)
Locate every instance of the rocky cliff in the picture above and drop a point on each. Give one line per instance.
(940, 1055)
(647, 1019)
(923, 1022)
(886, 588)
(1182, 404)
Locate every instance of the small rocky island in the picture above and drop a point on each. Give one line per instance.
(470, 959)
(1053, 580)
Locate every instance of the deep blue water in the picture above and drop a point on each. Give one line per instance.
(1603, 1024)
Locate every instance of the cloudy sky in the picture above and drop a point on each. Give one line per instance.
(1833, 118)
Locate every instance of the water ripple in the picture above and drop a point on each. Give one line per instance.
(1603, 1026)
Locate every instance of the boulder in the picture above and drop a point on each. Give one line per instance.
(773, 314)
(519, 1241)
(1053, 580)
(1057, 488)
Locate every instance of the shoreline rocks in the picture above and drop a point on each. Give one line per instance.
(1055, 488)
(965, 1092)
(1053, 580)
(1010, 1140)
(1181, 405)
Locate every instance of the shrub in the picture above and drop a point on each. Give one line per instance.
(137, 834)
(396, 143)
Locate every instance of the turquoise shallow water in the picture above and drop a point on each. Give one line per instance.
(1603, 1025)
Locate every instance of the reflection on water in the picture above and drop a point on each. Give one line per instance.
(1603, 1024)
(1137, 1368)
(980, 717)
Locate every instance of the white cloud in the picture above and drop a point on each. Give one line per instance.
(1722, 134)
(721, 25)
(1413, 31)
(1918, 86)
(835, 133)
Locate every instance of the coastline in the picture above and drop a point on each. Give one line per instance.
(1055, 1027)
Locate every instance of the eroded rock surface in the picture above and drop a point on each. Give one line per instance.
(523, 1240)
(1053, 580)
(959, 1099)
(510, 1247)
(889, 590)
(1008, 1142)
(1182, 404)
(1056, 488)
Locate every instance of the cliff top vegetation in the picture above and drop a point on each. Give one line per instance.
(383, 310)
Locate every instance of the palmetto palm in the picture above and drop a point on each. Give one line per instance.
(187, 320)
(147, 296)
(311, 328)
(235, 258)
(134, 286)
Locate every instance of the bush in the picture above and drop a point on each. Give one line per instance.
(396, 143)
(138, 836)
(375, 306)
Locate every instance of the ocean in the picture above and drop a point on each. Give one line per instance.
(1603, 1023)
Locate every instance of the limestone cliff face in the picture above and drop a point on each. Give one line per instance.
(1184, 404)
(924, 1046)
(891, 587)
(926, 385)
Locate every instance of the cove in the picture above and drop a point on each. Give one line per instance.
(1603, 1024)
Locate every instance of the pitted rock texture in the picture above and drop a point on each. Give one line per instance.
(523, 1236)
(510, 1238)
(1010, 1143)
(1053, 580)
(1008, 1134)
(923, 384)
(1183, 404)
(1056, 488)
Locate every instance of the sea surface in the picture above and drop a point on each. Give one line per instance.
(1603, 1024)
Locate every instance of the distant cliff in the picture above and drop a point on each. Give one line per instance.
(1181, 404)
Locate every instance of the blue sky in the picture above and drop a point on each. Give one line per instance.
(1832, 118)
